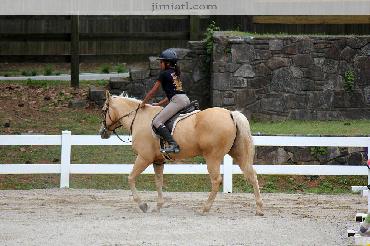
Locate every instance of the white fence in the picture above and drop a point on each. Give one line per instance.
(66, 141)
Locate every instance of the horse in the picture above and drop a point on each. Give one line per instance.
(211, 133)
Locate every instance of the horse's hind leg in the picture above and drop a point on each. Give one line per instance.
(139, 167)
(213, 166)
(251, 175)
(158, 169)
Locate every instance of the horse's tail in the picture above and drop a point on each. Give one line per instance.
(243, 142)
(243, 153)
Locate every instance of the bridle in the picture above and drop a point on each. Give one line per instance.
(106, 127)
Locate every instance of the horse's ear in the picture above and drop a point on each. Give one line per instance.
(107, 95)
(124, 94)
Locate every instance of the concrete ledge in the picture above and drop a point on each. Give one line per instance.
(66, 77)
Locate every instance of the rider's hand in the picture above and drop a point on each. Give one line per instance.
(142, 105)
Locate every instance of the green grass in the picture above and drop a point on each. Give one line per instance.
(293, 127)
(187, 183)
(237, 33)
(76, 121)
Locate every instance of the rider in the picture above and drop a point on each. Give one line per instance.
(169, 79)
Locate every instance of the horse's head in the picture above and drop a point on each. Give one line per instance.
(118, 111)
(110, 121)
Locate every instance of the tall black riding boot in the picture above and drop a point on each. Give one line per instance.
(173, 147)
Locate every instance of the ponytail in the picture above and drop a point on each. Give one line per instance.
(177, 70)
(173, 65)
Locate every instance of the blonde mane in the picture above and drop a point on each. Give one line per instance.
(125, 96)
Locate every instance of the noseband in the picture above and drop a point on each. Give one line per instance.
(106, 127)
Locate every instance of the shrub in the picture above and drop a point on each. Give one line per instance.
(349, 81)
(121, 68)
(48, 70)
(209, 39)
(105, 69)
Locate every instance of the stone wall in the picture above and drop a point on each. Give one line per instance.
(274, 78)
(311, 155)
(194, 75)
(292, 77)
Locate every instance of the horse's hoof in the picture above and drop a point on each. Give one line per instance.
(144, 207)
(156, 210)
(259, 213)
(202, 212)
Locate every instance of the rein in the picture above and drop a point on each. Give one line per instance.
(106, 111)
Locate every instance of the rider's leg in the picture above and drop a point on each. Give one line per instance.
(173, 147)
(176, 103)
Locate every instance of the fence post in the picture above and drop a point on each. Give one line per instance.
(228, 174)
(75, 51)
(194, 27)
(65, 159)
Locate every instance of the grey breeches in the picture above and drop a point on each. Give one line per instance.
(177, 102)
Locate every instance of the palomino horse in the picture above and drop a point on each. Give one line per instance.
(211, 133)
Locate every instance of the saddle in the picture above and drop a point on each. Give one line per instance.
(170, 123)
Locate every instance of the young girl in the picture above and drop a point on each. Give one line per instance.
(169, 79)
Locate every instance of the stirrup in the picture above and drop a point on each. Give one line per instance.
(171, 149)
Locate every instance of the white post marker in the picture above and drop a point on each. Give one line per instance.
(65, 159)
(228, 174)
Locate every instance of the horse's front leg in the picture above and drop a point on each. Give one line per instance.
(158, 169)
(140, 165)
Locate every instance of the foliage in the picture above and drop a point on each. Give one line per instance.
(105, 68)
(48, 70)
(33, 72)
(367, 219)
(209, 39)
(121, 68)
(349, 79)
(318, 151)
(25, 73)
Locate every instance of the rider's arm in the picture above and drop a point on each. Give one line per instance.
(162, 102)
(151, 93)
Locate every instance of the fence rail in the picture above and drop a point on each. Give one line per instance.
(67, 140)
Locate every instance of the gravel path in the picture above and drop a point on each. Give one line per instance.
(110, 217)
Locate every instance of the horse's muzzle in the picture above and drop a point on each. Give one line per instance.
(104, 133)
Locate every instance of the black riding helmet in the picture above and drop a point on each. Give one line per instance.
(168, 55)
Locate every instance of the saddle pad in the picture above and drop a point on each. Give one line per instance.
(181, 117)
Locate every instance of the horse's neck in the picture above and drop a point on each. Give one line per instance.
(143, 115)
